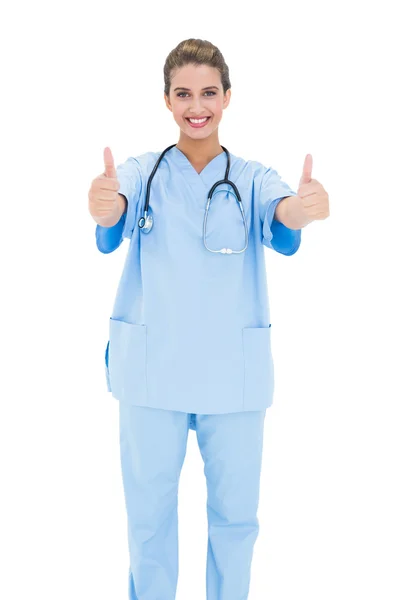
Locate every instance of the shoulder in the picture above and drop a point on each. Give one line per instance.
(143, 161)
(250, 169)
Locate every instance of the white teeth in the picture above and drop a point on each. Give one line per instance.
(198, 120)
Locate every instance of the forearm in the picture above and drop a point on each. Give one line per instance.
(113, 219)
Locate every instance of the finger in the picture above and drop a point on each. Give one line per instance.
(307, 169)
(102, 196)
(105, 183)
(109, 167)
(305, 192)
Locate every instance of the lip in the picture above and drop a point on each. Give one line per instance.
(198, 125)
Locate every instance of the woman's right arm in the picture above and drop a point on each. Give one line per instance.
(109, 230)
(115, 215)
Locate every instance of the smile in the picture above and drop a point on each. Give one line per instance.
(198, 122)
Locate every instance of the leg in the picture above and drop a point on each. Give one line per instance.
(153, 447)
(231, 447)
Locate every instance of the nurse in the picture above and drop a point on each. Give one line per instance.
(190, 332)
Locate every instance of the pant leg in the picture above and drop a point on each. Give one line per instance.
(152, 448)
(231, 446)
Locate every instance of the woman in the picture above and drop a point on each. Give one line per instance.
(190, 342)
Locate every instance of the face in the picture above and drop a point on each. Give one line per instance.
(196, 101)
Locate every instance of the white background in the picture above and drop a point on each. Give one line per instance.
(307, 77)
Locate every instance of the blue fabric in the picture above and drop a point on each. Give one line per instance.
(152, 447)
(190, 330)
(109, 239)
(279, 237)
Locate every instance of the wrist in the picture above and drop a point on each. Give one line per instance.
(293, 213)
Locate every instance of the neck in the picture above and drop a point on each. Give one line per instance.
(199, 151)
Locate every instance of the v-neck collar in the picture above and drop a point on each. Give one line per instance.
(212, 172)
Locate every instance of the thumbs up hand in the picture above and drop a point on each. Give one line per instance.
(314, 200)
(105, 204)
(311, 202)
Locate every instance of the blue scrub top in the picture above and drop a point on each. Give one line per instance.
(190, 329)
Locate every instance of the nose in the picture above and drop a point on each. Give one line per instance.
(195, 107)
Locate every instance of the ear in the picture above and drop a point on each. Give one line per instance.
(167, 102)
(227, 98)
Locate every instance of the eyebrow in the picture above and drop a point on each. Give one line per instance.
(210, 87)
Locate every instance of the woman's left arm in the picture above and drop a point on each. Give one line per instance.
(310, 204)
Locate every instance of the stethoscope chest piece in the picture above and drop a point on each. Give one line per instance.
(146, 222)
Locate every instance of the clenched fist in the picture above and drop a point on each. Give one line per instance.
(105, 205)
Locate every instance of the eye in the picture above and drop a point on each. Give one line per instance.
(208, 92)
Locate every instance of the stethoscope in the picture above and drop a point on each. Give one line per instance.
(145, 223)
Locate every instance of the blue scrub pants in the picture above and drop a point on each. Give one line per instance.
(153, 447)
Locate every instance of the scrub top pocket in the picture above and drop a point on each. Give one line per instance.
(258, 368)
(127, 361)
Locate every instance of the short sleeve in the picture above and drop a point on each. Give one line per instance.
(275, 235)
(130, 180)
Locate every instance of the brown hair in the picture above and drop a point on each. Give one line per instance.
(195, 52)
